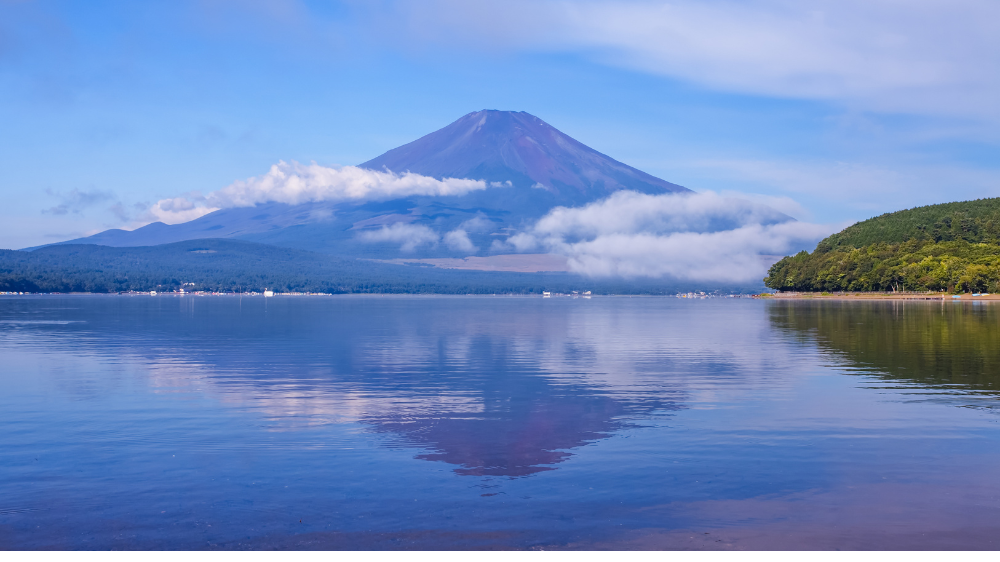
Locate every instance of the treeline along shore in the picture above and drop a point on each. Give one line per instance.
(876, 296)
(227, 266)
(950, 248)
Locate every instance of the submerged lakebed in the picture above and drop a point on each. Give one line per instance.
(376, 422)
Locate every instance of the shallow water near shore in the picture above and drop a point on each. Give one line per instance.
(418, 422)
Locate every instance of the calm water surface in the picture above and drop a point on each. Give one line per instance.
(488, 422)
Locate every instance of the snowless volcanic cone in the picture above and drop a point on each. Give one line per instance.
(501, 146)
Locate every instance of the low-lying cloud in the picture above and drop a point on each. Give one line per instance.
(409, 236)
(695, 237)
(294, 183)
(413, 236)
(698, 237)
(459, 241)
(478, 223)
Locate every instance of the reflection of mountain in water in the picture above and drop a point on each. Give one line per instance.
(492, 386)
(524, 422)
(949, 346)
(512, 441)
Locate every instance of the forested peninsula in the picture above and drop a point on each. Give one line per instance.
(952, 247)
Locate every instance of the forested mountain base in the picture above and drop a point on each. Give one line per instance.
(232, 265)
(952, 247)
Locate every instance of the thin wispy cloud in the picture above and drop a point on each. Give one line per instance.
(479, 223)
(864, 188)
(921, 56)
(76, 200)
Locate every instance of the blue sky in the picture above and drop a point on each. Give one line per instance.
(844, 110)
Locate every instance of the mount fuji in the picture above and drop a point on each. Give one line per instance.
(528, 168)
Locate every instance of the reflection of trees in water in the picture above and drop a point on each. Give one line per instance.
(938, 345)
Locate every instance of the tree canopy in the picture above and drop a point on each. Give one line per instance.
(947, 247)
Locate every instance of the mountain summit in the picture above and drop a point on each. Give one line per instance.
(518, 147)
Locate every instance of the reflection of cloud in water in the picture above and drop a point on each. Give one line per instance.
(493, 386)
(296, 403)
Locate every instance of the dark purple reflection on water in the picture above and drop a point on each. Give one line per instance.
(448, 422)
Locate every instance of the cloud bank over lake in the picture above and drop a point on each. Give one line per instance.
(697, 237)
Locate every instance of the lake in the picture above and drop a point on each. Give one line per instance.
(420, 422)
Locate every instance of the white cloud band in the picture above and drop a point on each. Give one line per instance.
(294, 183)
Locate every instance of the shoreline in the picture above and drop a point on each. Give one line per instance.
(883, 296)
(546, 295)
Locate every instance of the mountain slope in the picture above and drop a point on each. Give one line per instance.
(521, 148)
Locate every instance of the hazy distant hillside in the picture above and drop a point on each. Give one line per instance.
(228, 265)
(947, 247)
